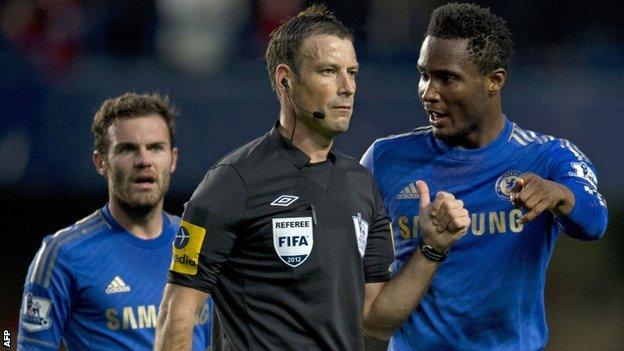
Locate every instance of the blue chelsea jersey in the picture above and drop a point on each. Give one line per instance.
(98, 287)
(488, 294)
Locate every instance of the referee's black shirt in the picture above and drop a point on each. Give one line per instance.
(284, 256)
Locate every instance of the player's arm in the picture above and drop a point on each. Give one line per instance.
(571, 195)
(46, 302)
(537, 195)
(388, 304)
(176, 318)
(203, 325)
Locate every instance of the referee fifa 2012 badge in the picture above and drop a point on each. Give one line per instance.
(293, 239)
(186, 247)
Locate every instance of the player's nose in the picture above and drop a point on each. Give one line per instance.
(143, 158)
(428, 92)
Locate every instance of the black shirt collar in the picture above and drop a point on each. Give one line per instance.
(296, 156)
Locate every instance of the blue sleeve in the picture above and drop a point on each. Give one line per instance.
(45, 306)
(570, 167)
(368, 159)
(203, 325)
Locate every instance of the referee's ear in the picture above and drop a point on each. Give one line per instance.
(99, 163)
(282, 76)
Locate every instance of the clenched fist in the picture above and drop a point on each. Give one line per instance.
(443, 221)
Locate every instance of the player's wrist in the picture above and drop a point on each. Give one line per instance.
(432, 253)
(566, 203)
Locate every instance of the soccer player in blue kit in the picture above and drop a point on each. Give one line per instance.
(521, 188)
(97, 284)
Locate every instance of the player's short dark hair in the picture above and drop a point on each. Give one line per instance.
(130, 105)
(490, 43)
(285, 41)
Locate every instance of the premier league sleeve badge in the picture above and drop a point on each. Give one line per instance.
(35, 313)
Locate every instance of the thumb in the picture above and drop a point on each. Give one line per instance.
(423, 193)
(517, 187)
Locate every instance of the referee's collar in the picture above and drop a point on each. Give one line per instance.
(296, 156)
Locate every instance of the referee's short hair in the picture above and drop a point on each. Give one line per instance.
(285, 41)
(130, 105)
(490, 43)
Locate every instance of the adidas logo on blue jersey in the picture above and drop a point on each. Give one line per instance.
(117, 285)
(408, 193)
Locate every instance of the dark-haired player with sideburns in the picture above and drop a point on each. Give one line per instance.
(287, 234)
(97, 284)
(522, 189)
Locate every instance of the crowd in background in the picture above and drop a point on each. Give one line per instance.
(206, 36)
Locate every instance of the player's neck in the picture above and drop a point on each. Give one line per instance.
(144, 223)
(489, 133)
(315, 145)
(483, 133)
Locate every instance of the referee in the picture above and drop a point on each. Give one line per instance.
(290, 236)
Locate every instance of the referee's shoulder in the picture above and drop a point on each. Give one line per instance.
(351, 165)
(245, 153)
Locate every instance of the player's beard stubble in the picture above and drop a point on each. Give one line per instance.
(136, 201)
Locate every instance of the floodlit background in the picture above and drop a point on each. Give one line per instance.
(59, 59)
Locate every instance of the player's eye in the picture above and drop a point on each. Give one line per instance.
(449, 78)
(124, 149)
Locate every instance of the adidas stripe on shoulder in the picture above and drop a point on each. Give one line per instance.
(45, 259)
(524, 137)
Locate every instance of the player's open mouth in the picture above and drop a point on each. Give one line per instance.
(435, 117)
(144, 181)
(435, 114)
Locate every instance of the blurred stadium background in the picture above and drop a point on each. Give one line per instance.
(60, 58)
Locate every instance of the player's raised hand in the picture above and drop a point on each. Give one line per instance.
(443, 221)
(537, 195)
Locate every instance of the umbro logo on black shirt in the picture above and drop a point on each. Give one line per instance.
(284, 200)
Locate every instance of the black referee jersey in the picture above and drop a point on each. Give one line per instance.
(284, 247)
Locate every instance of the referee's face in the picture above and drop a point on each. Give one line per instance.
(140, 161)
(328, 68)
